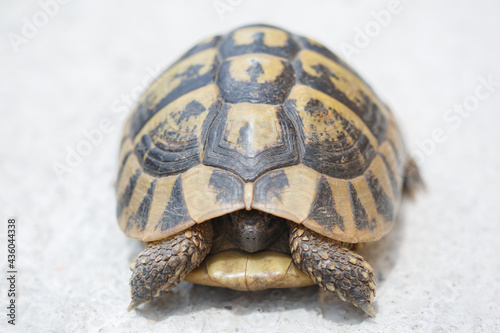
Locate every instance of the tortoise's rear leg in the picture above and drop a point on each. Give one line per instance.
(163, 264)
(412, 180)
(333, 266)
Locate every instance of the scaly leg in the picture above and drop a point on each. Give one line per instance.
(333, 266)
(165, 263)
(412, 180)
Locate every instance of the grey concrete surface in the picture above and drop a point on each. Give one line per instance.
(67, 67)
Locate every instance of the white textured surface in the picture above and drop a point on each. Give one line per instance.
(437, 271)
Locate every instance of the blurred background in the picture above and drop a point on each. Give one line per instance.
(71, 70)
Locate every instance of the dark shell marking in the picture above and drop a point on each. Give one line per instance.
(247, 156)
(255, 105)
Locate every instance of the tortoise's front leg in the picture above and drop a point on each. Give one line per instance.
(165, 263)
(334, 267)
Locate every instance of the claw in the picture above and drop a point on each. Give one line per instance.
(133, 305)
(367, 307)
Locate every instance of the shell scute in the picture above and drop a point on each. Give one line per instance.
(260, 119)
(259, 39)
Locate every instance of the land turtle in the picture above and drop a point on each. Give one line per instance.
(257, 160)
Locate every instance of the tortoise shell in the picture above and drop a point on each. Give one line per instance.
(260, 119)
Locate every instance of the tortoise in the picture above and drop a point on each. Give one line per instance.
(257, 160)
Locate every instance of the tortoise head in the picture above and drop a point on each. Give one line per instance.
(253, 230)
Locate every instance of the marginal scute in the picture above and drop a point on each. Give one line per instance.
(227, 186)
(161, 212)
(363, 218)
(369, 224)
(211, 192)
(323, 210)
(161, 199)
(393, 167)
(366, 206)
(341, 199)
(395, 139)
(123, 160)
(139, 219)
(143, 202)
(175, 216)
(383, 202)
(136, 213)
(378, 170)
(287, 193)
(125, 186)
(126, 196)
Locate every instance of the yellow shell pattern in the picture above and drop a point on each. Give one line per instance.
(260, 119)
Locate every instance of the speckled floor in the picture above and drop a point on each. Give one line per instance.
(66, 71)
